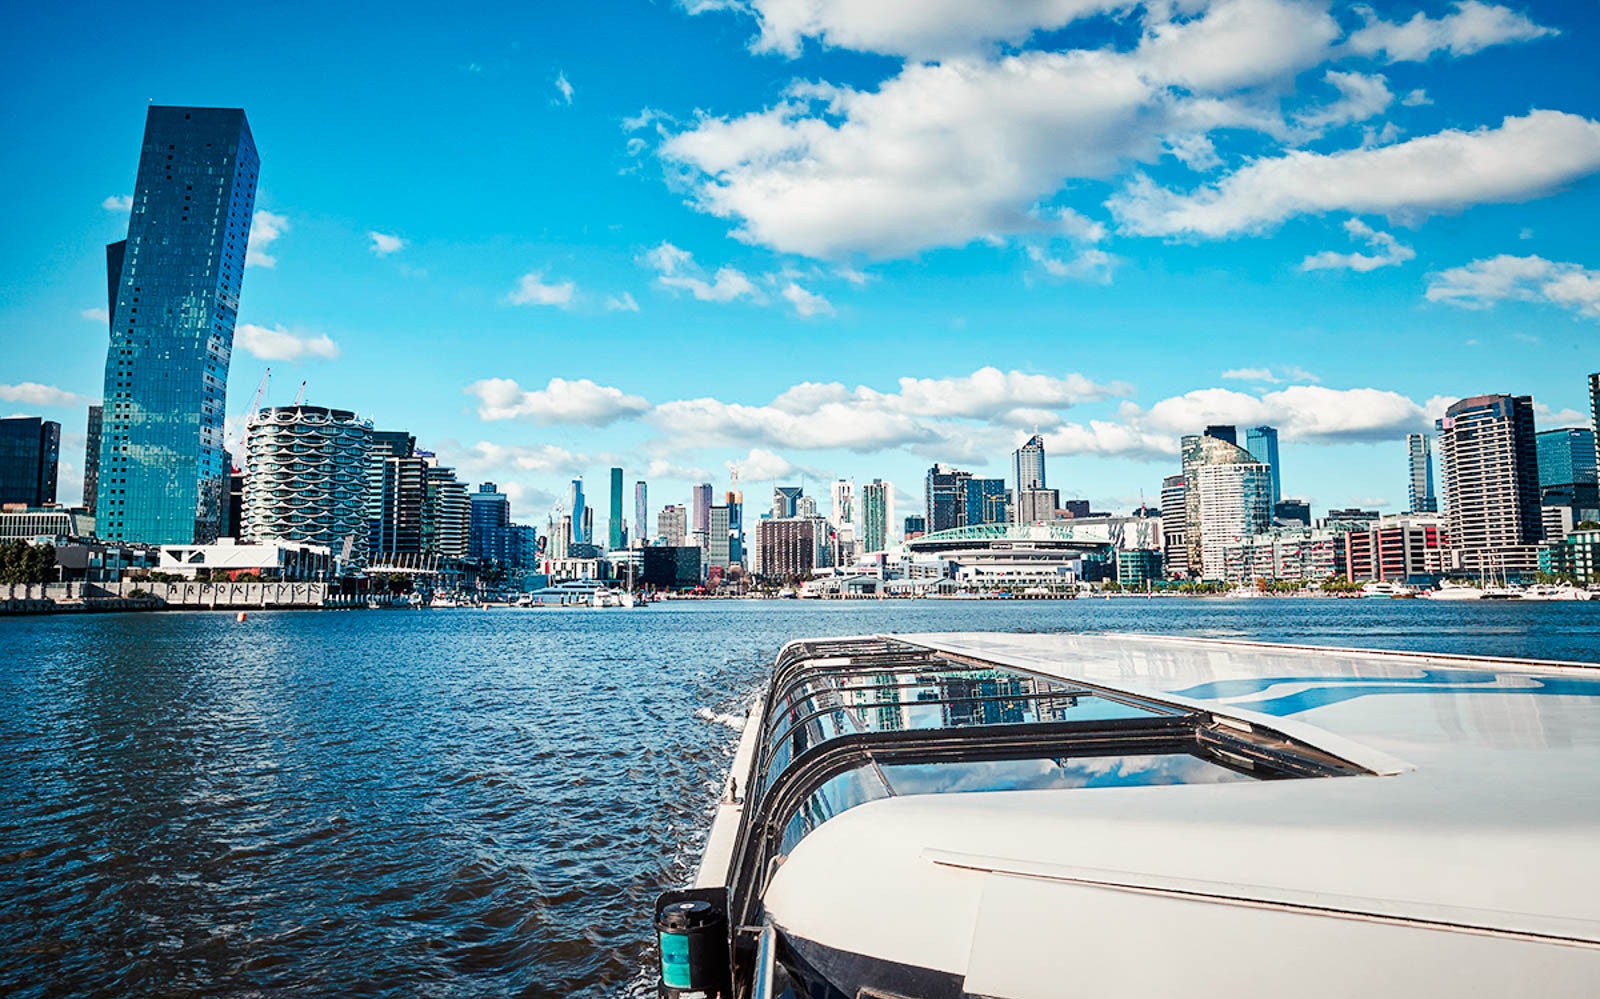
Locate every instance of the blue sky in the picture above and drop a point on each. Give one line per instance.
(822, 237)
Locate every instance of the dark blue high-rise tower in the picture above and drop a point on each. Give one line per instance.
(174, 288)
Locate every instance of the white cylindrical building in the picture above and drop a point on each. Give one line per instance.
(305, 478)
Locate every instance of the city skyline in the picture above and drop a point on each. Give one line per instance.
(455, 314)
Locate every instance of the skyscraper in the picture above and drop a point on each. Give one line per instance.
(30, 455)
(841, 510)
(700, 508)
(615, 537)
(177, 278)
(489, 538)
(1594, 412)
(1568, 477)
(1174, 516)
(672, 524)
(1419, 456)
(580, 519)
(942, 498)
(305, 478)
(1491, 482)
(984, 501)
(784, 499)
(1027, 465)
(1203, 450)
(1262, 442)
(1224, 432)
(91, 461)
(641, 515)
(877, 502)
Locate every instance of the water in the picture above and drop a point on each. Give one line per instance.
(449, 803)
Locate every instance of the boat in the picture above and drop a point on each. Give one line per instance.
(1454, 591)
(1562, 591)
(1007, 816)
(1387, 588)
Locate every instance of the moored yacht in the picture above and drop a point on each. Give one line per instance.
(991, 815)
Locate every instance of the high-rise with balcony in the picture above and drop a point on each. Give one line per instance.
(176, 280)
(1491, 483)
(306, 478)
(1221, 507)
(1419, 463)
(877, 508)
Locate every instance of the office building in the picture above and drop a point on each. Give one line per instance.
(91, 460)
(784, 499)
(719, 554)
(30, 457)
(700, 508)
(984, 501)
(235, 506)
(943, 497)
(581, 520)
(1242, 516)
(788, 546)
(396, 535)
(1289, 512)
(1262, 443)
(842, 499)
(914, 526)
(670, 567)
(672, 525)
(1138, 568)
(1027, 465)
(489, 537)
(641, 515)
(1036, 506)
(1235, 503)
(1490, 461)
(616, 536)
(1223, 432)
(1419, 461)
(305, 474)
(174, 285)
(877, 511)
(1174, 516)
(736, 541)
(447, 514)
(386, 445)
(1567, 473)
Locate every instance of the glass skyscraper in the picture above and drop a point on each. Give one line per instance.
(985, 501)
(1027, 465)
(615, 538)
(1262, 442)
(1419, 458)
(174, 284)
(30, 456)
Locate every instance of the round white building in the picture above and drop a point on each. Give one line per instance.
(305, 478)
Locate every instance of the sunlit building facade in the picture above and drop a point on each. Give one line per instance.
(305, 479)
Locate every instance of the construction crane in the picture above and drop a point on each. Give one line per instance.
(300, 396)
(261, 390)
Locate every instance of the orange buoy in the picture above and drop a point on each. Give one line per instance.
(241, 617)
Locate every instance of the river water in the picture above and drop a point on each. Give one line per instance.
(451, 802)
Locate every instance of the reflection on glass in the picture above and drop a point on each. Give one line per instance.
(846, 791)
(1056, 774)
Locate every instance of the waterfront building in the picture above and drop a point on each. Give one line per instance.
(877, 511)
(943, 497)
(1567, 472)
(1419, 462)
(784, 499)
(670, 567)
(984, 501)
(1284, 554)
(382, 481)
(101, 562)
(1174, 518)
(1577, 556)
(788, 546)
(448, 514)
(581, 519)
(1292, 511)
(1262, 442)
(177, 276)
(279, 561)
(641, 514)
(616, 537)
(700, 508)
(672, 525)
(1137, 568)
(719, 553)
(1027, 465)
(1223, 432)
(91, 460)
(19, 521)
(1036, 506)
(1491, 483)
(1245, 513)
(30, 457)
(1235, 503)
(1396, 548)
(305, 479)
(489, 536)
(397, 535)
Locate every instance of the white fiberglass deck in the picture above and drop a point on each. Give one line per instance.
(1467, 864)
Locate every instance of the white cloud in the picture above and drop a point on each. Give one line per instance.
(761, 465)
(279, 344)
(1524, 158)
(1300, 412)
(806, 304)
(946, 153)
(1251, 374)
(503, 462)
(563, 87)
(561, 401)
(1549, 419)
(621, 303)
(384, 244)
(118, 203)
(1360, 97)
(676, 269)
(96, 314)
(1389, 252)
(915, 28)
(35, 394)
(660, 468)
(1084, 265)
(532, 290)
(1472, 28)
(265, 228)
(1272, 376)
(1482, 283)
(1416, 99)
